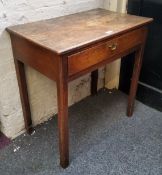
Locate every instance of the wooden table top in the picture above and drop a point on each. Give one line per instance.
(66, 33)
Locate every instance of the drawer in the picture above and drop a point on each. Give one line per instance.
(95, 55)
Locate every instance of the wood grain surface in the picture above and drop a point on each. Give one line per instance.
(66, 33)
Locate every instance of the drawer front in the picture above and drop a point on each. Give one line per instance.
(101, 52)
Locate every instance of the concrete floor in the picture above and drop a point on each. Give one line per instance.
(102, 141)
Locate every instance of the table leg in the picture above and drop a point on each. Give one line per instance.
(62, 94)
(20, 72)
(134, 81)
(94, 82)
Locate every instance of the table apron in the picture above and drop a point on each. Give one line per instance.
(105, 52)
(41, 59)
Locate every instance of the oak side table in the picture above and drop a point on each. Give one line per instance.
(68, 47)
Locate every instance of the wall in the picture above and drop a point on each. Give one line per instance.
(42, 91)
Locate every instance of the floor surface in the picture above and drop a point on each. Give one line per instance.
(103, 141)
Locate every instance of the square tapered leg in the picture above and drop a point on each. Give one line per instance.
(134, 81)
(20, 71)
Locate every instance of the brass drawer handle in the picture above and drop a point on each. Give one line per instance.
(113, 46)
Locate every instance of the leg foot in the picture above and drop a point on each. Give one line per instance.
(30, 130)
(129, 112)
(64, 164)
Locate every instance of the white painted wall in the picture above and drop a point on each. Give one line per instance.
(42, 91)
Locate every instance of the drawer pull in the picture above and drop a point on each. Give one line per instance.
(113, 46)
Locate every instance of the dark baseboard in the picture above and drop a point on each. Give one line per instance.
(4, 141)
(146, 95)
(149, 97)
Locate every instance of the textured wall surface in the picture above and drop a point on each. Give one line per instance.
(42, 91)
